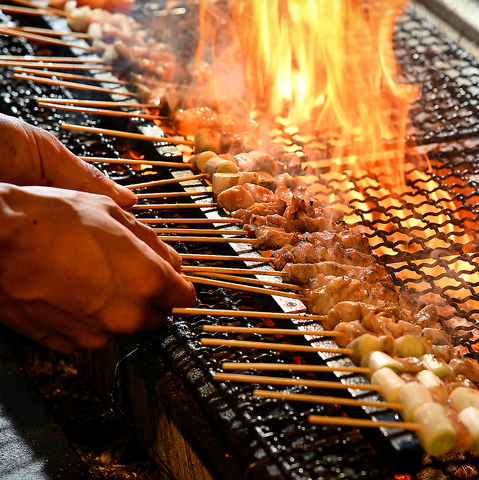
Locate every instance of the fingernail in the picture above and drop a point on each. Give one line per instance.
(125, 192)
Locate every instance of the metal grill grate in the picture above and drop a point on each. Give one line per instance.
(285, 443)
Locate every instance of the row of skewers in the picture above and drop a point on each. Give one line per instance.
(280, 223)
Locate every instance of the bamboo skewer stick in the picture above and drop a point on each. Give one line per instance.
(254, 281)
(273, 346)
(42, 38)
(359, 422)
(237, 377)
(97, 111)
(49, 59)
(71, 76)
(172, 206)
(136, 136)
(205, 239)
(98, 103)
(241, 313)
(188, 221)
(58, 66)
(329, 400)
(195, 231)
(78, 86)
(51, 10)
(174, 194)
(168, 181)
(36, 12)
(226, 258)
(130, 161)
(238, 286)
(234, 271)
(272, 331)
(52, 33)
(281, 367)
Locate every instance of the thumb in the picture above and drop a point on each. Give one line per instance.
(61, 168)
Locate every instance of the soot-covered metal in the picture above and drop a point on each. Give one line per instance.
(236, 435)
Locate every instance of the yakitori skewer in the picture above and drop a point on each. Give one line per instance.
(119, 133)
(195, 231)
(206, 239)
(174, 194)
(192, 221)
(220, 342)
(130, 161)
(294, 367)
(35, 12)
(226, 258)
(42, 38)
(51, 10)
(52, 33)
(73, 85)
(234, 271)
(173, 206)
(327, 400)
(254, 281)
(245, 313)
(71, 76)
(97, 111)
(359, 422)
(271, 330)
(98, 103)
(167, 181)
(237, 377)
(49, 59)
(238, 286)
(57, 66)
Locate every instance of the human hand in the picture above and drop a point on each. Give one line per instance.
(32, 156)
(76, 269)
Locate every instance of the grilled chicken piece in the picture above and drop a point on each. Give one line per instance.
(302, 273)
(466, 367)
(303, 252)
(349, 256)
(327, 291)
(235, 198)
(310, 216)
(268, 238)
(259, 209)
(274, 221)
(346, 238)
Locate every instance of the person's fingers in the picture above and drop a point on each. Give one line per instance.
(61, 168)
(147, 235)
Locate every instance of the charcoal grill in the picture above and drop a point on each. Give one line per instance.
(197, 428)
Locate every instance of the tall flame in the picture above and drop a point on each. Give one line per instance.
(319, 65)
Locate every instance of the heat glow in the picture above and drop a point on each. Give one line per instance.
(320, 66)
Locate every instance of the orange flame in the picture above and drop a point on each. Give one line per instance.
(319, 65)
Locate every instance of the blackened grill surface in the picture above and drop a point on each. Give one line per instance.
(446, 110)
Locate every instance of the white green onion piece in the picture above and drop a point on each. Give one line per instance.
(441, 369)
(377, 360)
(432, 382)
(437, 434)
(470, 418)
(390, 382)
(207, 140)
(412, 396)
(198, 161)
(219, 165)
(363, 345)
(464, 397)
(409, 346)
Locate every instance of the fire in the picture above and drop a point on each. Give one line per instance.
(321, 78)
(320, 66)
